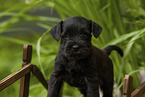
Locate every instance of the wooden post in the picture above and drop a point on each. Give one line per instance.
(24, 83)
(127, 87)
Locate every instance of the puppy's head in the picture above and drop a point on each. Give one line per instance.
(75, 33)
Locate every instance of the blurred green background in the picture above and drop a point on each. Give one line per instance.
(29, 21)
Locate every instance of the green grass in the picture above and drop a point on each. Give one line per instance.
(122, 22)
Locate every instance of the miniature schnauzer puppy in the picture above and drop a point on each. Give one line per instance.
(78, 62)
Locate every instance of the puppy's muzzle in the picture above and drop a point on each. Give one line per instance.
(75, 50)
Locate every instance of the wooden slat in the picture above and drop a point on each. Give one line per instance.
(14, 77)
(24, 83)
(139, 91)
(24, 86)
(127, 87)
(35, 70)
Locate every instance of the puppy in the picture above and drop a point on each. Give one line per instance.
(78, 62)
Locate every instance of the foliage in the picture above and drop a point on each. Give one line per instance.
(122, 22)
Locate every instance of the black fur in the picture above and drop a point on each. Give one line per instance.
(78, 62)
(109, 48)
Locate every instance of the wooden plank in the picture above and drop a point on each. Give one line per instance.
(24, 83)
(35, 70)
(14, 77)
(127, 87)
(139, 91)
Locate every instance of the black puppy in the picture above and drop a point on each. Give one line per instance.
(78, 62)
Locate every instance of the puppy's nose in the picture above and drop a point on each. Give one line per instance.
(75, 47)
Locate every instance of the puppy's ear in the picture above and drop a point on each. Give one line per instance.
(56, 31)
(96, 29)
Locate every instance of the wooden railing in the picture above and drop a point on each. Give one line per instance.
(24, 74)
(27, 67)
(127, 88)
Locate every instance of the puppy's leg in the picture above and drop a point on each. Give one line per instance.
(93, 87)
(107, 87)
(92, 81)
(54, 87)
(93, 84)
(83, 91)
